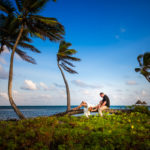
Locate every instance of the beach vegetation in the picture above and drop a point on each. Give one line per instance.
(111, 132)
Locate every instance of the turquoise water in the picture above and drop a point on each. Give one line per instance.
(6, 112)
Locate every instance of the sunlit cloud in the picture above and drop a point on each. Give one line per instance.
(131, 82)
(29, 85)
(2, 60)
(4, 95)
(44, 86)
(6, 50)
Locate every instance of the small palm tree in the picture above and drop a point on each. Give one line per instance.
(30, 22)
(144, 63)
(64, 56)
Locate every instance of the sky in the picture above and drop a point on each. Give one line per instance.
(108, 35)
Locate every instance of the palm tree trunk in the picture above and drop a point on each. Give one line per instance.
(18, 112)
(67, 88)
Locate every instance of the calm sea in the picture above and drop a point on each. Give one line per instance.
(6, 112)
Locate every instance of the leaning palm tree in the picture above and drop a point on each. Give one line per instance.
(30, 22)
(8, 36)
(144, 63)
(64, 56)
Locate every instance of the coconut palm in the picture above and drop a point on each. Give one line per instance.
(64, 58)
(30, 22)
(144, 63)
(8, 35)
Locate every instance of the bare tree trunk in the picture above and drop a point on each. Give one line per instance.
(18, 112)
(81, 111)
(67, 88)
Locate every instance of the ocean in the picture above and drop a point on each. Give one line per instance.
(6, 112)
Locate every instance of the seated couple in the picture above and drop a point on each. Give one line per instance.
(103, 104)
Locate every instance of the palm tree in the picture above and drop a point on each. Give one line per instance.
(35, 25)
(144, 63)
(8, 36)
(64, 56)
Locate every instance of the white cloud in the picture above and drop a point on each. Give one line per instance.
(4, 95)
(29, 85)
(131, 82)
(45, 96)
(44, 86)
(144, 93)
(15, 92)
(3, 73)
(6, 50)
(83, 84)
(2, 60)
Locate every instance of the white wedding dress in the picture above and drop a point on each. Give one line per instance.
(86, 109)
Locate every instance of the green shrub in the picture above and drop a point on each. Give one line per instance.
(141, 109)
(111, 132)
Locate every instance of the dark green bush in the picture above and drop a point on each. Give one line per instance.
(141, 109)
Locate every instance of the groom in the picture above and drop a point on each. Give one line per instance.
(103, 104)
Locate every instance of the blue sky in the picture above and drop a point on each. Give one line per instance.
(108, 35)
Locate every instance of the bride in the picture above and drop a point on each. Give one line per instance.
(87, 107)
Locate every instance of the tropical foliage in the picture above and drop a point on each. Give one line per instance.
(110, 132)
(144, 65)
(8, 36)
(64, 58)
(26, 20)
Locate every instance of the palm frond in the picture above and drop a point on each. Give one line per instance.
(146, 59)
(19, 4)
(71, 58)
(64, 46)
(37, 35)
(68, 63)
(22, 54)
(25, 57)
(139, 59)
(45, 20)
(67, 68)
(34, 6)
(70, 52)
(137, 69)
(44, 31)
(6, 6)
(2, 19)
(28, 46)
